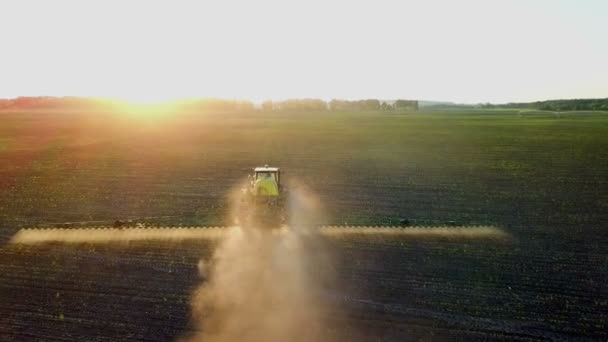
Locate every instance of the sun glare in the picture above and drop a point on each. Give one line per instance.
(147, 97)
(146, 107)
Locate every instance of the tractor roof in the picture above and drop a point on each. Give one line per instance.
(266, 168)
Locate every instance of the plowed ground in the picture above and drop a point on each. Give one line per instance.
(542, 180)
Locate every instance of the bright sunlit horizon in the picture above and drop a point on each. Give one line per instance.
(150, 51)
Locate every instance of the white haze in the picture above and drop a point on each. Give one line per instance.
(265, 286)
(461, 51)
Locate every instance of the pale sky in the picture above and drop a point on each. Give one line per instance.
(462, 51)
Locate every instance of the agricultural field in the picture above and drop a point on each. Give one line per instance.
(541, 180)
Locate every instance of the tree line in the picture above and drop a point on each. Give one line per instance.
(93, 103)
(212, 104)
(556, 105)
(51, 102)
(339, 105)
(304, 104)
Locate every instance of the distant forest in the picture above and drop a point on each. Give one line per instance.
(556, 105)
(49, 102)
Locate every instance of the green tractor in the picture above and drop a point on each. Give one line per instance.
(264, 199)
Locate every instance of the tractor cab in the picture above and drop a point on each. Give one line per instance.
(266, 181)
(266, 171)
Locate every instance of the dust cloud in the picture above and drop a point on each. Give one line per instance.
(266, 285)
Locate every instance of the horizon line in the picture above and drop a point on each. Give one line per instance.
(325, 99)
